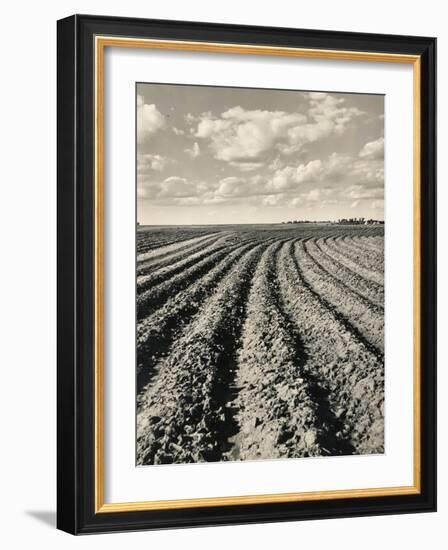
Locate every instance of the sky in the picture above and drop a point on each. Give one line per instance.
(217, 155)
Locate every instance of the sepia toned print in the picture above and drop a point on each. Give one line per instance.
(260, 274)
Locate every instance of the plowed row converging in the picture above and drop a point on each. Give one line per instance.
(180, 417)
(261, 346)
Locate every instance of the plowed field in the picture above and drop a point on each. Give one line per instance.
(259, 342)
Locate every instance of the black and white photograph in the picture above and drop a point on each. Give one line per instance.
(260, 274)
(223, 292)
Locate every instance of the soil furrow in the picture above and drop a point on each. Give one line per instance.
(275, 408)
(259, 343)
(364, 245)
(369, 290)
(370, 262)
(372, 339)
(328, 423)
(180, 418)
(156, 333)
(169, 258)
(364, 315)
(154, 297)
(350, 371)
(159, 249)
(376, 276)
(158, 276)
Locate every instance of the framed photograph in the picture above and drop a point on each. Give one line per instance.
(246, 274)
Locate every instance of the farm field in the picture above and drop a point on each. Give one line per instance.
(259, 342)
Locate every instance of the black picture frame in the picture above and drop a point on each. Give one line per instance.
(76, 512)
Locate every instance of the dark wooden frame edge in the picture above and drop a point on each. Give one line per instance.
(75, 296)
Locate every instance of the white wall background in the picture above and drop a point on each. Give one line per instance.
(27, 274)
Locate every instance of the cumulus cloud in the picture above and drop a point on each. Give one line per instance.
(231, 186)
(328, 109)
(296, 201)
(369, 172)
(338, 166)
(178, 131)
(190, 119)
(241, 135)
(327, 115)
(169, 188)
(273, 200)
(149, 120)
(246, 166)
(360, 192)
(241, 186)
(373, 150)
(291, 176)
(148, 162)
(175, 186)
(312, 198)
(315, 194)
(276, 164)
(244, 136)
(194, 152)
(337, 179)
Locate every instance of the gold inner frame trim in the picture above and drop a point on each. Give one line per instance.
(101, 42)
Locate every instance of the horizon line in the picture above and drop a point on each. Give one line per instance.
(255, 223)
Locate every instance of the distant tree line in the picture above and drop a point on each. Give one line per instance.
(302, 221)
(359, 221)
(341, 221)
